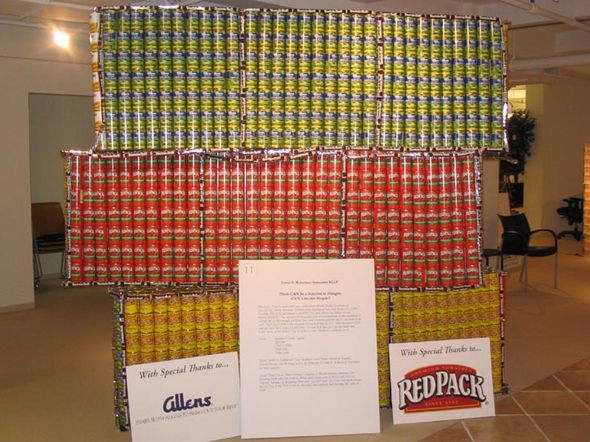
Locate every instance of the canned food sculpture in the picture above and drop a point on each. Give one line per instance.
(228, 134)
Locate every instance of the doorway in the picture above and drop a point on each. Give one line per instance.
(56, 123)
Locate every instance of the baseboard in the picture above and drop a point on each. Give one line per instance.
(17, 307)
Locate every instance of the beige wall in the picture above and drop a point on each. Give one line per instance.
(22, 72)
(490, 203)
(534, 169)
(555, 169)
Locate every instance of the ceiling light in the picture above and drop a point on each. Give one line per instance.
(61, 39)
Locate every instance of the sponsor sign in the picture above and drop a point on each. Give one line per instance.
(192, 399)
(441, 380)
(308, 348)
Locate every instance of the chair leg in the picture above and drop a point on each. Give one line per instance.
(37, 260)
(555, 271)
(35, 263)
(526, 273)
(522, 267)
(63, 264)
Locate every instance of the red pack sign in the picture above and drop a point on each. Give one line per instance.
(441, 380)
(441, 387)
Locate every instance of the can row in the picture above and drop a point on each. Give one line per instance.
(190, 217)
(178, 78)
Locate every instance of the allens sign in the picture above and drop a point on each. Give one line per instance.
(441, 387)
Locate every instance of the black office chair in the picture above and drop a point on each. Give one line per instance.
(48, 234)
(516, 241)
(574, 214)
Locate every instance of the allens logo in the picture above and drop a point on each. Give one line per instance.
(177, 403)
(440, 387)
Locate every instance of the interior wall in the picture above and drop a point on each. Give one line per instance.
(533, 177)
(27, 65)
(56, 122)
(555, 169)
(490, 180)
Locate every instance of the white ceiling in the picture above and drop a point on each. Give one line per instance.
(532, 36)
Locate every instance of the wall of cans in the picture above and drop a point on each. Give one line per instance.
(163, 323)
(228, 134)
(187, 217)
(194, 78)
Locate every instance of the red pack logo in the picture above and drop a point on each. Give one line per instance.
(440, 387)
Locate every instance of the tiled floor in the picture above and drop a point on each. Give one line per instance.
(555, 409)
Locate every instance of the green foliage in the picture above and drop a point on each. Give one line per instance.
(521, 135)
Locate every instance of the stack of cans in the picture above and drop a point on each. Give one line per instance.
(442, 82)
(170, 78)
(160, 324)
(94, 28)
(166, 323)
(352, 208)
(293, 225)
(210, 219)
(100, 219)
(152, 220)
(148, 217)
(179, 213)
(453, 314)
(74, 218)
(251, 210)
(178, 78)
(382, 304)
(138, 214)
(193, 211)
(415, 215)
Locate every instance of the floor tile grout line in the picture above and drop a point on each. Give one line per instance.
(467, 431)
(535, 424)
(552, 391)
(554, 414)
(572, 392)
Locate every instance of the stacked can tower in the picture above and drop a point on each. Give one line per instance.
(177, 78)
(135, 218)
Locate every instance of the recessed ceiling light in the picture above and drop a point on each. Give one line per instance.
(61, 39)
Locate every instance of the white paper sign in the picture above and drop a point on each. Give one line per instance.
(441, 380)
(308, 351)
(192, 399)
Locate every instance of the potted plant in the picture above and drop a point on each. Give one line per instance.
(521, 135)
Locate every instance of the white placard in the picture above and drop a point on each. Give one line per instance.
(308, 350)
(192, 399)
(441, 380)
